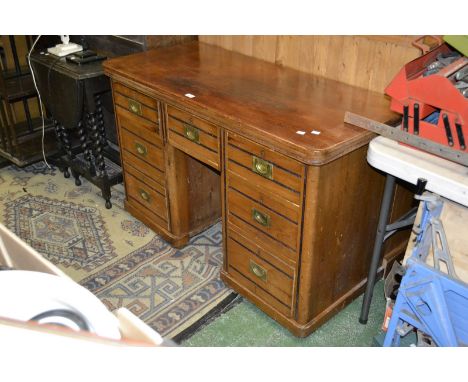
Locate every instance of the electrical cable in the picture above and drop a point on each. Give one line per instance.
(40, 99)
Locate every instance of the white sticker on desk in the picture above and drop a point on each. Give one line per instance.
(315, 132)
(188, 95)
(300, 132)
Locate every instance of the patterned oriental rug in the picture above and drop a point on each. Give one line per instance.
(111, 253)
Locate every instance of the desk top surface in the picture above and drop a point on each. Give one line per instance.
(296, 113)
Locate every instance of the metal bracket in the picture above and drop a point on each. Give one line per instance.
(433, 234)
(441, 252)
(399, 135)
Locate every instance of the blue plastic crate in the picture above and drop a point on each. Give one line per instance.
(429, 300)
(432, 302)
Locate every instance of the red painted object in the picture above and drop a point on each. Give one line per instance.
(431, 94)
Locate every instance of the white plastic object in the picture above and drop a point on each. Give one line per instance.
(65, 48)
(25, 294)
(444, 177)
(135, 329)
(65, 38)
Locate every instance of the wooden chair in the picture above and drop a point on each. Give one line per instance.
(20, 120)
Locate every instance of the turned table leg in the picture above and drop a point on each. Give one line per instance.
(59, 132)
(97, 133)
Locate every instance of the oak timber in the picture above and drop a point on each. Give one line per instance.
(297, 228)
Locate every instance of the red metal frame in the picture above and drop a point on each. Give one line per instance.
(431, 93)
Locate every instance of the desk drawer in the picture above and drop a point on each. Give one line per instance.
(194, 136)
(274, 247)
(142, 149)
(139, 126)
(144, 215)
(144, 172)
(286, 208)
(274, 225)
(143, 194)
(272, 283)
(136, 103)
(265, 169)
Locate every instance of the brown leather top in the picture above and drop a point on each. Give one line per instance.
(260, 100)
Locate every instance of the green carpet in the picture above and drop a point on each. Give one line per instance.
(246, 325)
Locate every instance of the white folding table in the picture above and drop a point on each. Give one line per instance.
(443, 177)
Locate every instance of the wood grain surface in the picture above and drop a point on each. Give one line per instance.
(299, 211)
(263, 101)
(369, 62)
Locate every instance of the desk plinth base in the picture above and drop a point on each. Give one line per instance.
(177, 241)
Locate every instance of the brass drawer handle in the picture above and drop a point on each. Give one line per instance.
(134, 106)
(258, 271)
(141, 149)
(144, 195)
(262, 167)
(191, 133)
(261, 218)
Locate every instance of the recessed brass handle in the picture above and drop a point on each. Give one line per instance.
(144, 195)
(134, 106)
(141, 149)
(261, 218)
(258, 271)
(191, 133)
(262, 167)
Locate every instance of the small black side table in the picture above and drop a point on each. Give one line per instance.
(78, 97)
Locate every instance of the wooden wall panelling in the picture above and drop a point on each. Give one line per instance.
(369, 62)
(262, 47)
(152, 42)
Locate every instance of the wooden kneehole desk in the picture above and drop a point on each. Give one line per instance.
(208, 134)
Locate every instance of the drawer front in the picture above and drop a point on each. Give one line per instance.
(268, 281)
(143, 171)
(145, 215)
(283, 206)
(136, 103)
(275, 247)
(138, 126)
(274, 225)
(142, 149)
(264, 197)
(265, 169)
(143, 194)
(194, 136)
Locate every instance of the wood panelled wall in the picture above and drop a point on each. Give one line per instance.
(369, 62)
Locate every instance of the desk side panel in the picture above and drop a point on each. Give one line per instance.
(340, 219)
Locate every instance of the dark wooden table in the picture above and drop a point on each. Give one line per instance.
(79, 100)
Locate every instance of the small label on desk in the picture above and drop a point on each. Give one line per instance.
(188, 95)
(315, 132)
(300, 132)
